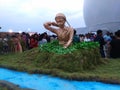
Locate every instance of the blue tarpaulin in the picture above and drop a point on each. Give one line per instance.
(46, 82)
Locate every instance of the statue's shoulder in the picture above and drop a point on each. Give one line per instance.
(70, 28)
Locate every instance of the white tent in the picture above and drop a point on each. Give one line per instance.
(102, 14)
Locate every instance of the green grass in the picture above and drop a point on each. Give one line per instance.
(82, 64)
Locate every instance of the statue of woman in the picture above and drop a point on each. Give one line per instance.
(63, 32)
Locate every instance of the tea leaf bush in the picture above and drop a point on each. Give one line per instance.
(56, 48)
(77, 57)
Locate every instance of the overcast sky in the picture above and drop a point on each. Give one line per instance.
(29, 15)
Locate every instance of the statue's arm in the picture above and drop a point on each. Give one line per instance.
(70, 38)
(48, 26)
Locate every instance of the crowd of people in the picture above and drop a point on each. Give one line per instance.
(109, 42)
(21, 42)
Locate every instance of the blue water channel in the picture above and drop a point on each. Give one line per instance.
(46, 82)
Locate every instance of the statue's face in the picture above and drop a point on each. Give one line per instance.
(60, 21)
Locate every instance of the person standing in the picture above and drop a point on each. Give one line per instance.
(99, 38)
(115, 46)
(16, 44)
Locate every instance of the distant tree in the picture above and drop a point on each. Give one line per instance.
(0, 27)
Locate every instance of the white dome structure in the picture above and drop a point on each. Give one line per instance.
(102, 14)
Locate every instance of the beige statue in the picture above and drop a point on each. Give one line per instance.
(63, 32)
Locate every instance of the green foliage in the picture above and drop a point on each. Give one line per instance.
(54, 47)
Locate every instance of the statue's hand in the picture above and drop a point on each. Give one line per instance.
(54, 24)
(65, 46)
(48, 24)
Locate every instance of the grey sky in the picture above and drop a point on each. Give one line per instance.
(29, 15)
